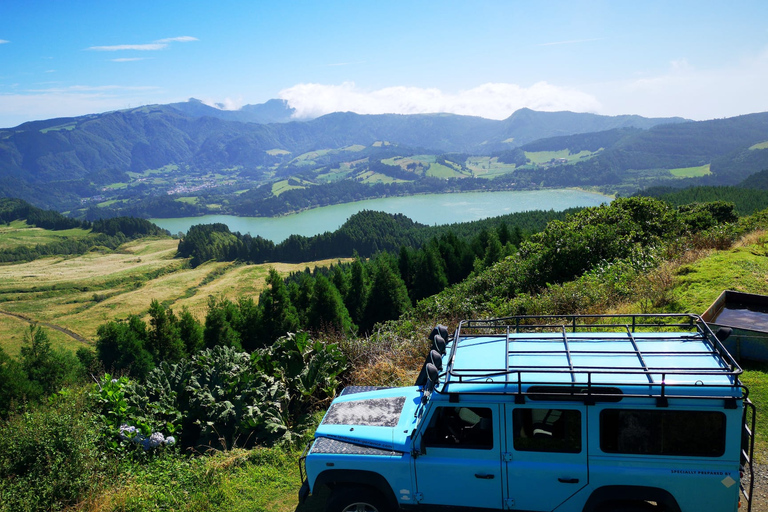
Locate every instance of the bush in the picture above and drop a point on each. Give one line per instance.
(48, 458)
(221, 398)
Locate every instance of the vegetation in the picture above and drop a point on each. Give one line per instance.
(221, 383)
(80, 236)
(746, 199)
(366, 233)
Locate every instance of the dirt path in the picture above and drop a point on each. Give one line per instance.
(59, 328)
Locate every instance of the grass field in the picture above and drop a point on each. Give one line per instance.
(442, 171)
(691, 172)
(375, 177)
(543, 157)
(281, 186)
(762, 145)
(19, 234)
(488, 167)
(81, 293)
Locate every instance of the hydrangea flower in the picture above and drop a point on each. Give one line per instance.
(132, 434)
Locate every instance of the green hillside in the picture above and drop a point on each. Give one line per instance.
(634, 255)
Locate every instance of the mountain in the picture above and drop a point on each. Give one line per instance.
(195, 134)
(192, 149)
(273, 111)
(718, 152)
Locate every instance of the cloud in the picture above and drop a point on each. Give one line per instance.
(160, 44)
(491, 100)
(128, 59)
(3, 41)
(137, 47)
(225, 104)
(181, 39)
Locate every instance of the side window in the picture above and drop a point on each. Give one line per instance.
(547, 430)
(460, 427)
(656, 432)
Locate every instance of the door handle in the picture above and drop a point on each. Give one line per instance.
(484, 476)
(568, 480)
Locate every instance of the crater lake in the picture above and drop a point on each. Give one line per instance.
(430, 209)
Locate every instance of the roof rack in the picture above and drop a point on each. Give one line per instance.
(592, 357)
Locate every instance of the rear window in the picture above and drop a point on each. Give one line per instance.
(662, 432)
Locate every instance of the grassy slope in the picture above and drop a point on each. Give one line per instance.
(743, 268)
(81, 293)
(19, 233)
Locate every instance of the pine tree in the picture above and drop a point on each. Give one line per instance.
(357, 295)
(388, 297)
(327, 308)
(277, 314)
(429, 275)
(165, 342)
(220, 322)
(190, 332)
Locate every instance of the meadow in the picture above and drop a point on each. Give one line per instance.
(78, 294)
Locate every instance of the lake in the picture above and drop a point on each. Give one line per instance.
(430, 209)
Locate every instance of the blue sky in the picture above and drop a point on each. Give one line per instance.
(696, 59)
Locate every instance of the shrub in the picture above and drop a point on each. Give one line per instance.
(48, 457)
(221, 398)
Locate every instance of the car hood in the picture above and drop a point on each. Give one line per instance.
(381, 418)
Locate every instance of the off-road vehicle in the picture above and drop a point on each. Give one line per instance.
(596, 414)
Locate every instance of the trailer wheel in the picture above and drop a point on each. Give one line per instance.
(356, 499)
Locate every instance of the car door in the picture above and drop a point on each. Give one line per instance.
(460, 456)
(545, 454)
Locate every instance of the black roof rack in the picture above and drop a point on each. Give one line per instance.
(571, 342)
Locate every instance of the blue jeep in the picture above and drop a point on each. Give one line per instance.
(577, 413)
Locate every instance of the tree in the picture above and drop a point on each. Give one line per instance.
(190, 332)
(220, 322)
(327, 308)
(249, 326)
(277, 315)
(15, 387)
(165, 343)
(121, 346)
(388, 297)
(357, 295)
(493, 251)
(429, 275)
(43, 365)
(406, 265)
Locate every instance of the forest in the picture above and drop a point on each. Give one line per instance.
(365, 233)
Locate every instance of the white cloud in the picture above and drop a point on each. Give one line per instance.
(128, 59)
(160, 44)
(181, 39)
(3, 41)
(137, 47)
(225, 104)
(491, 100)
